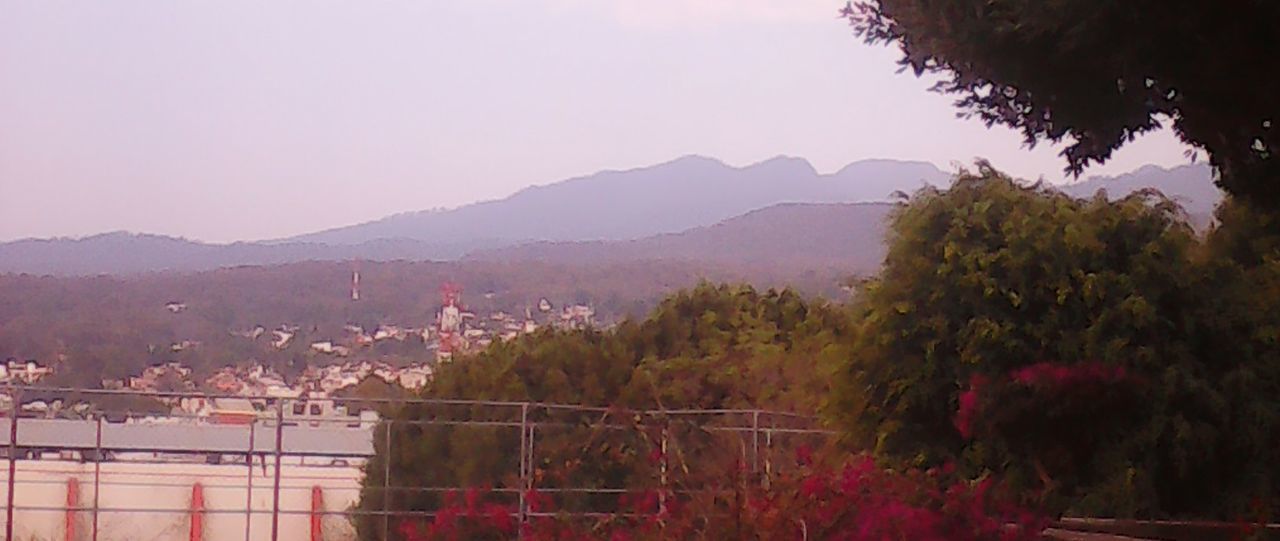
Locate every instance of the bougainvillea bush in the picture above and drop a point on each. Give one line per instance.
(856, 501)
(1053, 416)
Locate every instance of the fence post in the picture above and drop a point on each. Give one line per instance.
(13, 460)
(527, 489)
(317, 513)
(197, 513)
(755, 442)
(386, 483)
(662, 468)
(73, 506)
(768, 455)
(275, 490)
(533, 427)
(97, 474)
(524, 467)
(248, 498)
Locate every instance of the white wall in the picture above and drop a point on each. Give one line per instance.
(153, 500)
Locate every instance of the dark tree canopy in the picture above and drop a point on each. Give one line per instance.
(1097, 351)
(1098, 74)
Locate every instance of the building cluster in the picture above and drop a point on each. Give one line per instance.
(336, 362)
(259, 381)
(455, 330)
(20, 372)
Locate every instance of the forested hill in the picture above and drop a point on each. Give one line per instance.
(122, 253)
(788, 236)
(797, 236)
(107, 326)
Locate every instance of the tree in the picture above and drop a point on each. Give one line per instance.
(1100, 74)
(712, 347)
(989, 279)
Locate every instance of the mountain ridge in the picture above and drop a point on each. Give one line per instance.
(782, 199)
(668, 197)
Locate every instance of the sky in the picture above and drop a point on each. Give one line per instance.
(245, 120)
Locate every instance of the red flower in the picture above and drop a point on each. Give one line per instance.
(804, 455)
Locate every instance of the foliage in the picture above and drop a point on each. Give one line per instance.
(855, 502)
(1096, 355)
(1056, 415)
(1097, 75)
(1091, 352)
(711, 347)
(862, 502)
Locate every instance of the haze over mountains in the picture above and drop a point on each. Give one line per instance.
(689, 192)
(788, 236)
(779, 213)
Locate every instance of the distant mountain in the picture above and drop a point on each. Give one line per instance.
(1190, 185)
(779, 213)
(668, 198)
(789, 237)
(129, 253)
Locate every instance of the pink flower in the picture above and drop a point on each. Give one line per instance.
(804, 455)
(812, 486)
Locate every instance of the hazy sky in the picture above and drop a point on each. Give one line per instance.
(243, 119)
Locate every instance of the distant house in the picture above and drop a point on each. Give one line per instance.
(233, 411)
(415, 377)
(251, 334)
(26, 372)
(225, 382)
(175, 306)
(322, 347)
(281, 339)
(35, 406)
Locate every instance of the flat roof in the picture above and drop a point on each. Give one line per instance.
(190, 437)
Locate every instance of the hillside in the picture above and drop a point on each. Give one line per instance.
(1190, 185)
(794, 236)
(111, 326)
(128, 253)
(689, 192)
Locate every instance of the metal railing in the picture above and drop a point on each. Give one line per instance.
(343, 473)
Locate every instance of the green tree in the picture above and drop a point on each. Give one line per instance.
(1099, 74)
(714, 346)
(992, 277)
(1241, 323)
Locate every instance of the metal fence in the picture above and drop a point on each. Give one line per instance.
(89, 464)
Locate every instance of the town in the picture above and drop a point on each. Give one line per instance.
(335, 364)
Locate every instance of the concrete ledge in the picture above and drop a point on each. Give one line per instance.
(1161, 530)
(1055, 534)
